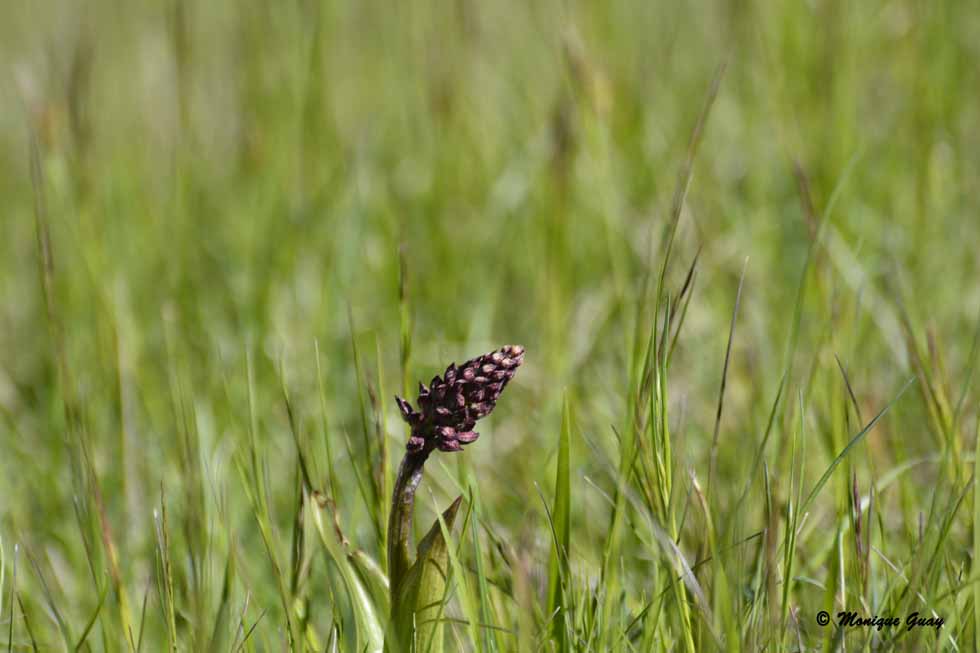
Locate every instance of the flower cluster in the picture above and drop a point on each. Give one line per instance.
(450, 406)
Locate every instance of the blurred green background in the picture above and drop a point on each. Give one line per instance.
(290, 183)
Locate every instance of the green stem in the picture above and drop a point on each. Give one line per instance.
(400, 519)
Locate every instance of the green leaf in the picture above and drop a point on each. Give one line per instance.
(976, 541)
(219, 633)
(558, 567)
(373, 576)
(370, 635)
(418, 609)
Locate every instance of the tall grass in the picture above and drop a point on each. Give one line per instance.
(738, 243)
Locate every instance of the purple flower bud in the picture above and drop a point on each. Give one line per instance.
(481, 410)
(446, 432)
(450, 406)
(466, 437)
(404, 407)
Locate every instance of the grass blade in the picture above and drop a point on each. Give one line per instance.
(558, 566)
(843, 454)
(976, 542)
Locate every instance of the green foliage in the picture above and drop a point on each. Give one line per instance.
(367, 620)
(418, 618)
(559, 569)
(229, 232)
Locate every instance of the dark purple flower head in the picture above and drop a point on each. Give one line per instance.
(450, 406)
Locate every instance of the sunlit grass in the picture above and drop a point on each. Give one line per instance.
(738, 243)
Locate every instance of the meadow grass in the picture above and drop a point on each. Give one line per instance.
(738, 241)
